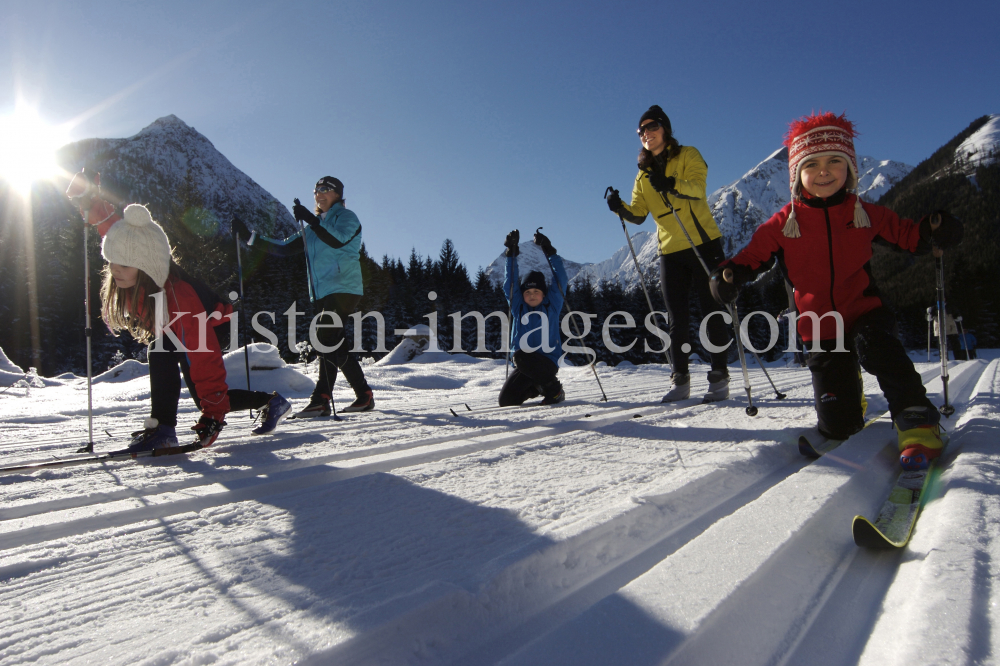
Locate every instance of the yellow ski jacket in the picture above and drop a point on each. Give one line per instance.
(690, 171)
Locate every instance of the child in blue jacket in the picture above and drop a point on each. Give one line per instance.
(534, 333)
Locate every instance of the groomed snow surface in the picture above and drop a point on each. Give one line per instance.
(620, 532)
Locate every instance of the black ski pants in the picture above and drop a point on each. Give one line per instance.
(872, 344)
(165, 382)
(534, 375)
(341, 358)
(680, 274)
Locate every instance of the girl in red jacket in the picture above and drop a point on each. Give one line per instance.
(823, 241)
(143, 283)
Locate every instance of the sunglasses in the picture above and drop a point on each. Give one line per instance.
(648, 127)
(323, 189)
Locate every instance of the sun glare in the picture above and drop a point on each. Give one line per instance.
(27, 148)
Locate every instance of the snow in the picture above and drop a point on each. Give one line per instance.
(738, 209)
(530, 258)
(743, 205)
(156, 163)
(983, 146)
(625, 532)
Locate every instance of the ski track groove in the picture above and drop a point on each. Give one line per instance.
(436, 411)
(249, 486)
(642, 538)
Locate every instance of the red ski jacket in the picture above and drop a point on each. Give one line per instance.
(829, 264)
(207, 369)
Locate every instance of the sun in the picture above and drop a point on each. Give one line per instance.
(28, 148)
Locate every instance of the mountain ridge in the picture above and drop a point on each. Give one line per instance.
(168, 157)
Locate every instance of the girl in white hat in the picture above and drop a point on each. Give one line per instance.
(147, 294)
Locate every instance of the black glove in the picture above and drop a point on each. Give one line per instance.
(542, 241)
(303, 214)
(724, 293)
(614, 202)
(661, 183)
(240, 229)
(948, 234)
(511, 243)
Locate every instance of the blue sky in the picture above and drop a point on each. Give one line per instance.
(464, 120)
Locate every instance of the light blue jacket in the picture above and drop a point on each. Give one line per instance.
(334, 270)
(551, 305)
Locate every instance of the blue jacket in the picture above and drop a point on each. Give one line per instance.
(334, 250)
(551, 305)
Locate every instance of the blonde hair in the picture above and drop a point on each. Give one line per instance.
(132, 309)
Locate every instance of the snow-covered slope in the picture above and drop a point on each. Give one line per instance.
(441, 529)
(740, 207)
(982, 147)
(165, 159)
(531, 258)
(620, 267)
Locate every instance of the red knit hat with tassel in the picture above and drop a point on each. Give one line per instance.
(815, 135)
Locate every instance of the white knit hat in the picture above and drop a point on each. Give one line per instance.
(137, 241)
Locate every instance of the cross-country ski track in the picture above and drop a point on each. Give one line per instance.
(443, 530)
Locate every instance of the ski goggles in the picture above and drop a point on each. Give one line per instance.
(648, 127)
(323, 189)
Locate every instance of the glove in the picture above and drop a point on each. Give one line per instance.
(724, 292)
(661, 183)
(542, 241)
(948, 233)
(511, 243)
(207, 429)
(614, 202)
(240, 229)
(303, 214)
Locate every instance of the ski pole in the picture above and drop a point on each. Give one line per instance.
(510, 319)
(751, 410)
(239, 337)
(305, 251)
(88, 332)
(961, 332)
(642, 280)
(930, 318)
(947, 409)
(576, 329)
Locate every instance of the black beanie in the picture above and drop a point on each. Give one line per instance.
(534, 280)
(332, 182)
(656, 113)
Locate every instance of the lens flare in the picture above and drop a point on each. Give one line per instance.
(28, 148)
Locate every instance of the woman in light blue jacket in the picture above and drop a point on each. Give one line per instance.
(332, 243)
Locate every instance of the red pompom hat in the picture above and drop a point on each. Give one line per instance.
(811, 136)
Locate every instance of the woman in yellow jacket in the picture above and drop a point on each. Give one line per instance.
(667, 168)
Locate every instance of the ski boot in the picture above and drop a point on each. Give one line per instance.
(554, 394)
(921, 439)
(364, 403)
(681, 389)
(154, 436)
(316, 408)
(207, 430)
(273, 413)
(718, 386)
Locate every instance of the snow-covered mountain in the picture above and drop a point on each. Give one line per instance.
(170, 157)
(620, 267)
(530, 259)
(740, 207)
(982, 147)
